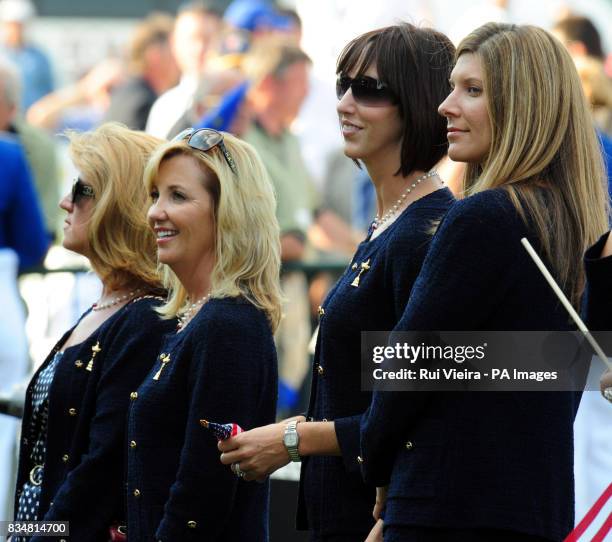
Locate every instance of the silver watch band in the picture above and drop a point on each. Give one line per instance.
(292, 436)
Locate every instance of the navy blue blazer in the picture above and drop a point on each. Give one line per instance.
(222, 367)
(598, 299)
(477, 460)
(333, 498)
(88, 402)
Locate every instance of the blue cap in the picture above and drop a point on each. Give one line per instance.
(252, 15)
(221, 117)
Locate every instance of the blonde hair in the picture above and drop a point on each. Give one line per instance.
(111, 159)
(544, 150)
(247, 243)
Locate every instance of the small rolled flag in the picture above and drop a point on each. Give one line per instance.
(222, 431)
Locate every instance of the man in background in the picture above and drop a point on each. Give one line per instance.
(39, 147)
(278, 73)
(583, 42)
(579, 36)
(33, 64)
(196, 30)
(152, 69)
(279, 78)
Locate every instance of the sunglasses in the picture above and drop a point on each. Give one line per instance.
(366, 90)
(204, 139)
(81, 190)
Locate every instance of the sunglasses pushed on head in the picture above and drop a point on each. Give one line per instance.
(205, 139)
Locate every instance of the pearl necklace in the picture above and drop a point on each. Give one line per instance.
(184, 318)
(379, 221)
(97, 306)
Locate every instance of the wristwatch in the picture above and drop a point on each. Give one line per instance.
(291, 440)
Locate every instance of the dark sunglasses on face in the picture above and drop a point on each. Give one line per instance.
(366, 90)
(205, 139)
(81, 190)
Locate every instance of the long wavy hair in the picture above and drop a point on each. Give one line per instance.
(247, 242)
(544, 149)
(112, 159)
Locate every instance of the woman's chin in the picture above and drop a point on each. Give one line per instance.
(351, 153)
(166, 257)
(73, 247)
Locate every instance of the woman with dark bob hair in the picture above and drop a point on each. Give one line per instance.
(390, 82)
(71, 462)
(485, 466)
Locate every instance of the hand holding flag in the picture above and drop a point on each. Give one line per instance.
(222, 431)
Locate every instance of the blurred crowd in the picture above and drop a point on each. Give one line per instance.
(242, 71)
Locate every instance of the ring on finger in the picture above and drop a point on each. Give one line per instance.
(237, 470)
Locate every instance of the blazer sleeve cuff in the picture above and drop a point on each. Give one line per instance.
(347, 433)
(376, 461)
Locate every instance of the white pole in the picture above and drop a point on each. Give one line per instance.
(553, 284)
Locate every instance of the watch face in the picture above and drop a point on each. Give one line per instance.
(291, 439)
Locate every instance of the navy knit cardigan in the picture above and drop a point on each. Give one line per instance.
(499, 460)
(333, 498)
(222, 367)
(84, 469)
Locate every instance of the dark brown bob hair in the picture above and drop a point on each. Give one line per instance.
(415, 63)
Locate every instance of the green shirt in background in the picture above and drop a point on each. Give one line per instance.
(41, 153)
(296, 195)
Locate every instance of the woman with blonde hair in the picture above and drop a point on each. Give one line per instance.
(496, 466)
(213, 214)
(71, 464)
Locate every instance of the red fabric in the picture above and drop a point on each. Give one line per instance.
(590, 517)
